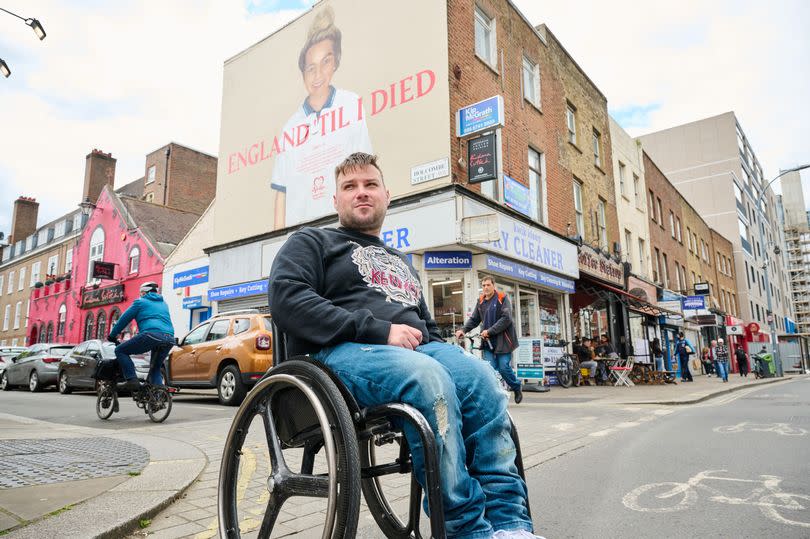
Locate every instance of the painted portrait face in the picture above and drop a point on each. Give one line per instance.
(361, 199)
(320, 65)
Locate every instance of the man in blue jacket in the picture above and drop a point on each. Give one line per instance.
(155, 335)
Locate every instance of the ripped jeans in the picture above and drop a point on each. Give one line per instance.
(462, 400)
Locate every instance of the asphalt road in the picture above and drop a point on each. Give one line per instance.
(79, 408)
(652, 479)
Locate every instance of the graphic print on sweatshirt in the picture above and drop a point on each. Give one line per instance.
(387, 273)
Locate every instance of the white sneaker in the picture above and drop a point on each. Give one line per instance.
(515, 534)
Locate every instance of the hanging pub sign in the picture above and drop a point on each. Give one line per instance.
(96, 297)
(103, 270)
(482, 159)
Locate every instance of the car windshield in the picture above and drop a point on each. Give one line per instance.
(60, 350)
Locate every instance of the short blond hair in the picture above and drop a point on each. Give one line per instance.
(355, 161)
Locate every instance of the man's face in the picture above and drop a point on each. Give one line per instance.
(714, 343)
(488, 287)
(319, 66)
(361, 199)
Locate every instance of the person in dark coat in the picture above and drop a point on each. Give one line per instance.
(742, 361)
(499, 338)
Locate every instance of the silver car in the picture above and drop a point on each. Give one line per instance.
(7, 353)
(36, 367)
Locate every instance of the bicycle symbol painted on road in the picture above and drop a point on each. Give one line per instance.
(669, 497)
(783, 429)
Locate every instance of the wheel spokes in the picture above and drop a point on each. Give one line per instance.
(270, 515)
(273, 443)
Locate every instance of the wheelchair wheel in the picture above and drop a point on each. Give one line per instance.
(293, 419)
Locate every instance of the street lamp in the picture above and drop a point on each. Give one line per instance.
(761, 228)
(4, 69)
(35, 25)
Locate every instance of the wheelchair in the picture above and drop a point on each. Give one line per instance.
(304, 410)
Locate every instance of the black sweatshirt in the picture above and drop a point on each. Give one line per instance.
(329, 286)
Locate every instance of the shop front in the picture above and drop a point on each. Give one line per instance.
(642, 316)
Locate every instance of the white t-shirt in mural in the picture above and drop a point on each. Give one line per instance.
(306, 173)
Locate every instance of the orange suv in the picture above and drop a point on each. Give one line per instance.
(231, 352)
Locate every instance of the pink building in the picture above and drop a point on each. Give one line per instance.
(133, 238)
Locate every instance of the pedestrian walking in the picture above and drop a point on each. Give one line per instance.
(707, 360)
(683, 349)
(721, 358)
(498, 337)
(742, 361)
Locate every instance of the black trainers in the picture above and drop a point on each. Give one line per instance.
(518, 395)
(133, 385)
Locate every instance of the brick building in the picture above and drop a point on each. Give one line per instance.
(180, 177)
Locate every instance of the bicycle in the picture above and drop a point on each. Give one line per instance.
(670, 496)
(568, 370)
(156, 401)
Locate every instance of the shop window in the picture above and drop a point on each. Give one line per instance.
(550, 321)
(448, 304)
(88, 327)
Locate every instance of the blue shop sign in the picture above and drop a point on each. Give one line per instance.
(253, 288)
(190, 277)
(669, 295)
(479, 116)
(694, 302)
(516, 195)
(192, 302)
(513, 269)
(448, 260)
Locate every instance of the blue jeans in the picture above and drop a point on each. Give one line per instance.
(659, 363)
(503, 364)
(461, 399)
(158, 343)
(722, 371)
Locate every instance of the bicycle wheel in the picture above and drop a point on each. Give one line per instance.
(564, 377)
(105, 401)
(666, 497)
(158, 404)
(791, 509)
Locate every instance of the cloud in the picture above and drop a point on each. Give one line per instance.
(634, 116)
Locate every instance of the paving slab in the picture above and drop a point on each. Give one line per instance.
(29, 503)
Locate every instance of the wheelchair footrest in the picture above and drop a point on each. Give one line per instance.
(385, 469)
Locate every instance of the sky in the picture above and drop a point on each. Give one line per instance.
(129, 76)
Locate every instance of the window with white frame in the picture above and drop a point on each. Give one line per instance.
(17, 313)
(485, 43)
(531, 82)
(134, 260)
(21, 280)
(537, 185)
(60, 326)
(672, 223)
(597, 153)
(665, 271)
(580, 216)
(657, 266)
(43, 237)
(628, 246)
(6, 316)
(678, 229)
(660, 214)
(651, 209)
(53, 265)
(636, 191)
(68, 260)
(571, 122)
(622, 175)
(642, 257)
(27, 310)
(35, 271)
(10, 288)
(59, 229)
(2, 282)
(150, 174)
(96, 252)
(601, 220)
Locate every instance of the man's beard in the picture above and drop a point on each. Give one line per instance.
(371, 222)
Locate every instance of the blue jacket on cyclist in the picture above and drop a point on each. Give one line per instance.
(155, 335)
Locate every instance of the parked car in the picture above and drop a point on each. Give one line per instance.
(35, 367)
(7, 353)
(77, 366)
(229, 352)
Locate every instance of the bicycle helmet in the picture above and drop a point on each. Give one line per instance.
(149, 286)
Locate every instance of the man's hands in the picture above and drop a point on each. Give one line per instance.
(485, 334)
(459, 334)
(404, 336)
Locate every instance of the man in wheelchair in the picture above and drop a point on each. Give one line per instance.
(356, 305)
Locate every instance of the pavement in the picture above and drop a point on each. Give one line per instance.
(69, 481)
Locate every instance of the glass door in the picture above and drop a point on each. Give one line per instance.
(529, 314)
(447, 293)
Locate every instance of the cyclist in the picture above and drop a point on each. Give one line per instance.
(155, 335)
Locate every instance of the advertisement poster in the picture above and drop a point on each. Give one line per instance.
(516, 195)
(482, 161)
(339, 79)
(530, 359)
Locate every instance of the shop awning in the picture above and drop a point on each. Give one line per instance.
(632, 302)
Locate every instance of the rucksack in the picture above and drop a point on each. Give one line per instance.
(107, 369)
